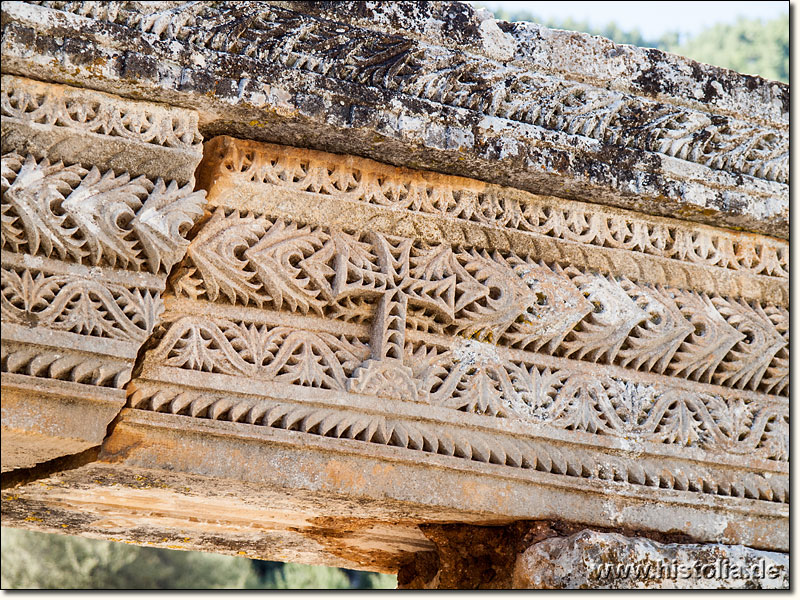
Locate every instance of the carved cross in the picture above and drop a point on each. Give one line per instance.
(470, 293)
(477, 295)
(473, 293)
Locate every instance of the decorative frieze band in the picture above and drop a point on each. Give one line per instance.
(481, 378)
(96, 112)
(97, 200)
(92, 217)
(463, 349)
(273, 34)
(294, 76)
(538, 449)
(363, 180)
(500, 298)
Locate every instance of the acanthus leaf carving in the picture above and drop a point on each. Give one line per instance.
(216, 253)
(751, 357)
(654, 341)
(681, 421)
(97, 206)
(71, 213)
(164, 220)
(274, 258)
(32, 193)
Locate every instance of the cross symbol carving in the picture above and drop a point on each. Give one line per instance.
(472, 293)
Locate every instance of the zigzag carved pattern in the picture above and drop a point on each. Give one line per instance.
(295, 41)
(64, 365)
(382, 185)
(540, 455)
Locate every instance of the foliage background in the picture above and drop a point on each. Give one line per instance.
(33, 560)
(751, 46)
(42, 561)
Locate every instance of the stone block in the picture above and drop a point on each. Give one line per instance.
(471, 301)
(97, 200)
(593, 560)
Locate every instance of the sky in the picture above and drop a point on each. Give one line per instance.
(650, 17)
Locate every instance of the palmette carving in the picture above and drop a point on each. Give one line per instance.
(495, 297)
(79, 305)
(374, 183)
(271, 34)
(71, 213)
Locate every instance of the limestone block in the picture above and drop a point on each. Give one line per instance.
(97, 197)
(442, 87)
(593, 560)
(459, 271)
(400, 315)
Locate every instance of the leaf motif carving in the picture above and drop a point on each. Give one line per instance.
(606, 328)
(78, 305)
(280, 257)
(217, 253)
(652, 343)
(34, 191)
(749, 359)
(98, 207)
(163, 222)
(704, 349)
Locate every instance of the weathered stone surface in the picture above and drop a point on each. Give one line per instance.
(507, 313)
(97, 198)
(335, 298)
(592, 560)
(681, 138)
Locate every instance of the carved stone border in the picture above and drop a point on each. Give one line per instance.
(97, 198)
(252, 97)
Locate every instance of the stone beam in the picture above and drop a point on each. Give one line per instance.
(97, 198)
(441, 87)
(431, 277)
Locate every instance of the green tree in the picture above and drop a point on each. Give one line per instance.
(305, 577)
(750, 46)
(32, 560)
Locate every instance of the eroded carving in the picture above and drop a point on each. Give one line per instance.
(353, 54)
(488, 296)
(86, 248)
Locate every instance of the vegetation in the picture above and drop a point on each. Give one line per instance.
(32, 560)
(751, 46)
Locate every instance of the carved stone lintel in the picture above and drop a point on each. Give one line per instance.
(528, 358)
(97, 200)
(473, 99)
(460, 271)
